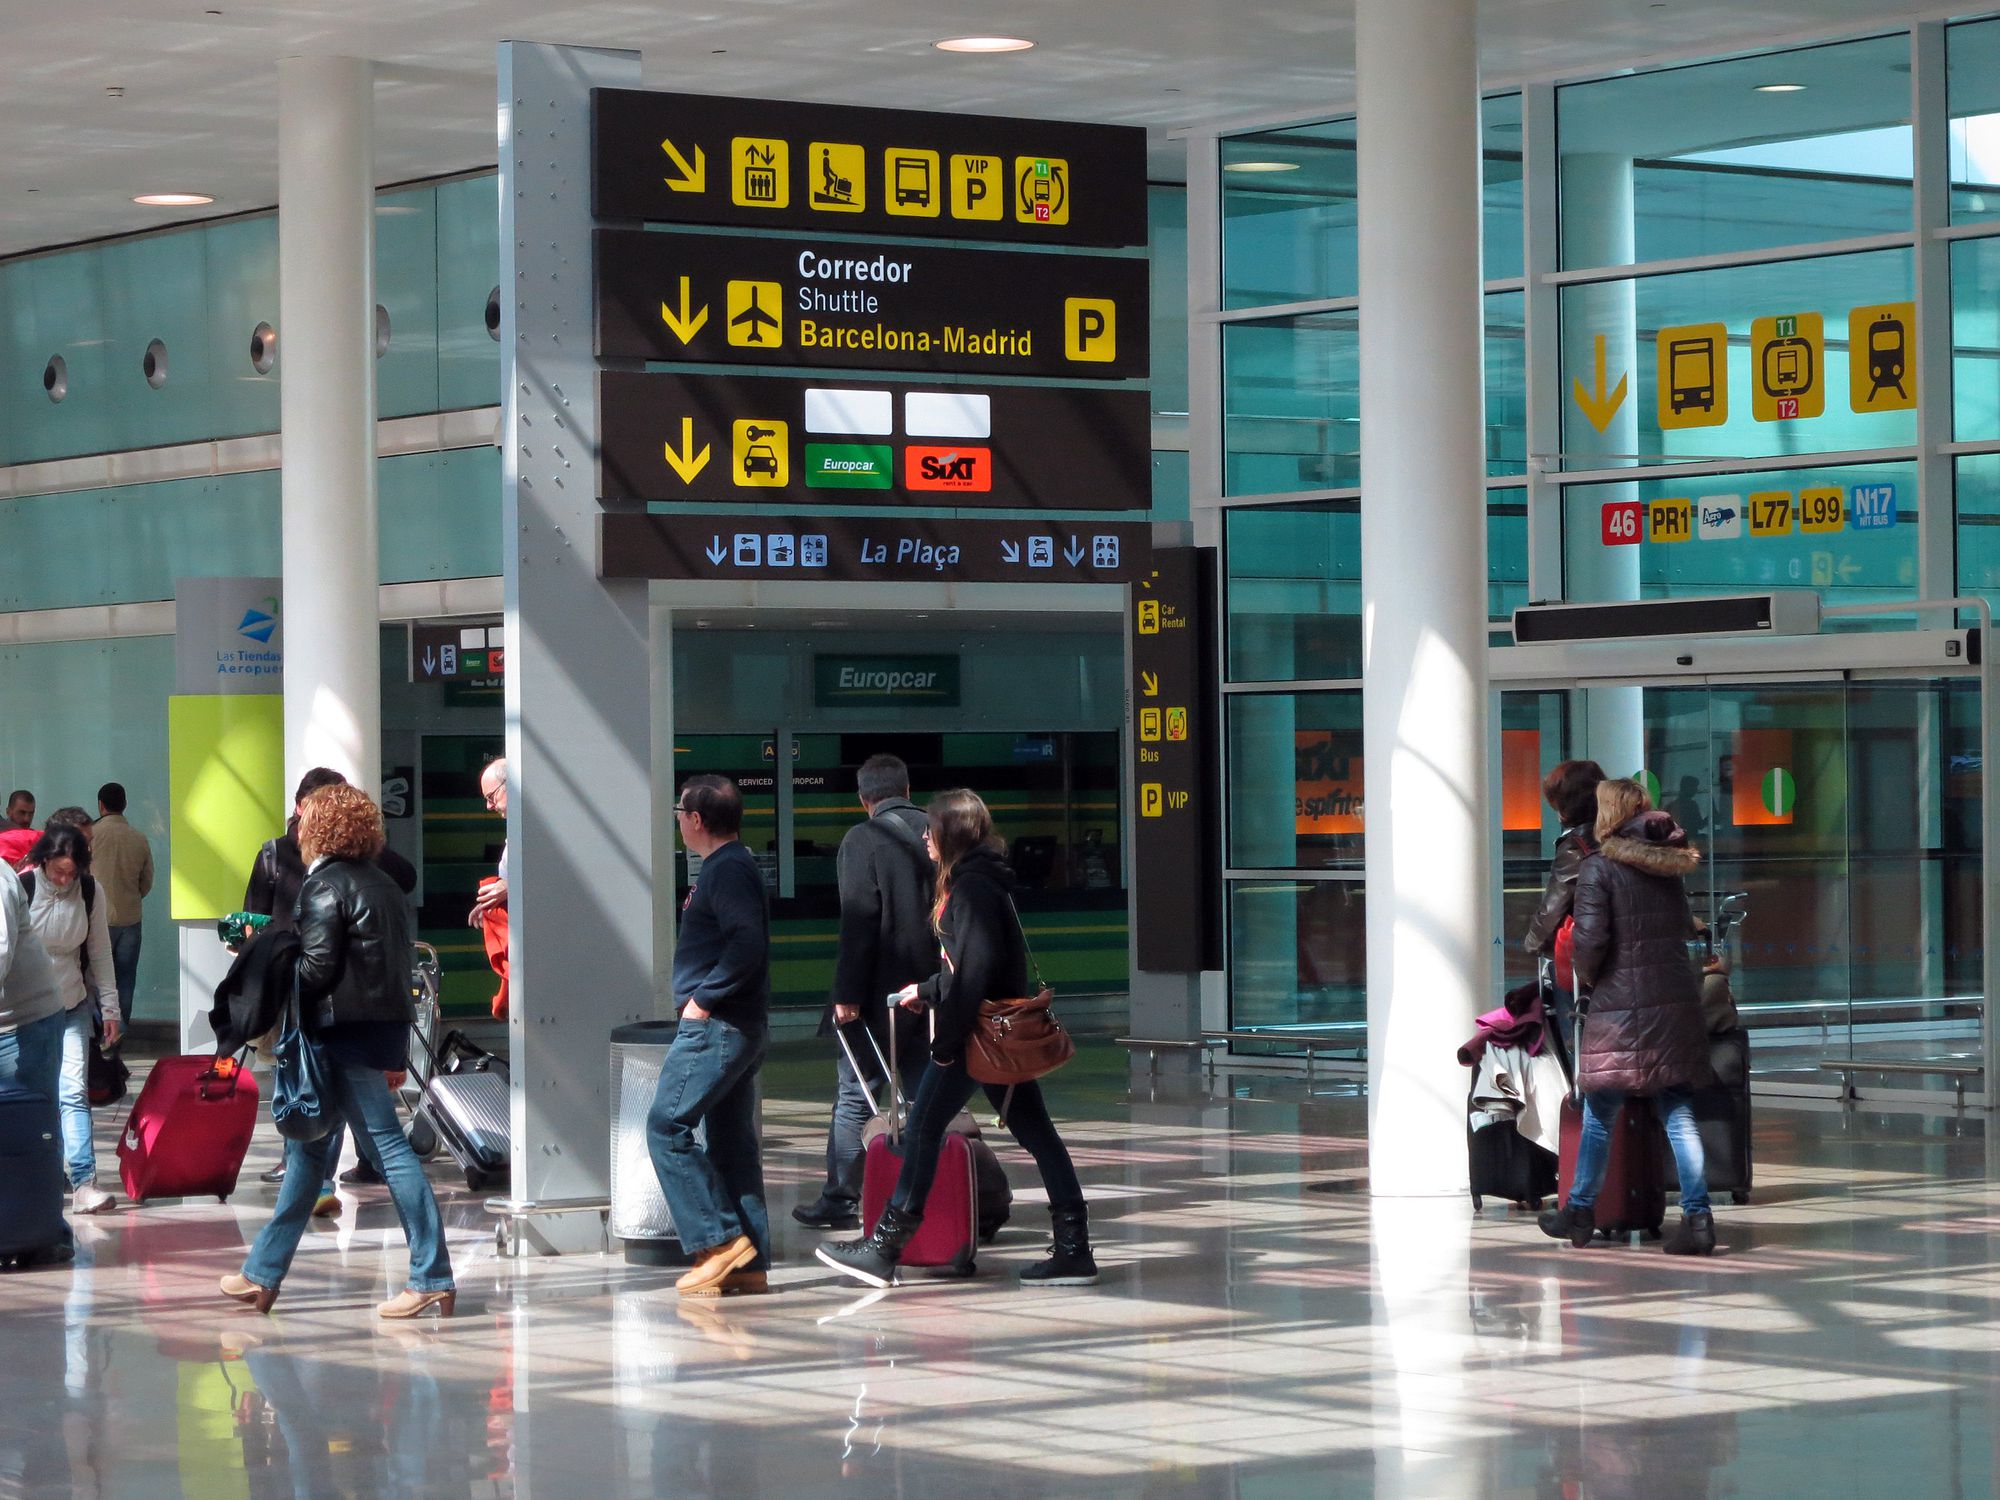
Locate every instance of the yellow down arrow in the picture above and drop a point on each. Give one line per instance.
(1149, 684)
(1598, 407)
(693, 179)
(686, 325)
(687, 463)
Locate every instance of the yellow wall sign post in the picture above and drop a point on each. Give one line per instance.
(1669, 520)
(760, 172)
(1881, 357)
(226, 790)
(910, 183)
(1041, 190)
(1771, 513)
(1787, 368)
(1691, 371)
(836, 177)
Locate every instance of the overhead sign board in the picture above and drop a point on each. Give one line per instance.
(871, 549)
(784, 300)
(774, 164)
(457, 653)
(1788, 367)
(1176, 832)
(756, 439)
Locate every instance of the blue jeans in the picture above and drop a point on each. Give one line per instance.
(845, 1158)
(31, 1057)
(74, 1095)
(1593, 1149)
(718, 1193)
(125, 966)
(947, 1090)
(363, 1102)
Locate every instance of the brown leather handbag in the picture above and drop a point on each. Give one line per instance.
(1018, 1041)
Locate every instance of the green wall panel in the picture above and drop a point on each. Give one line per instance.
(468, 267)
(406, 378)
(55, 305)
(156, 288)
(101, 715)
(242, 292)
(440, 515)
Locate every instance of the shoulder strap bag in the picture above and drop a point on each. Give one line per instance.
(301, 1099)
(1018, 1041)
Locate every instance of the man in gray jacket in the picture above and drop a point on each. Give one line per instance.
(887, 887)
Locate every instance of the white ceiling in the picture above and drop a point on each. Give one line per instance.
(200, 90)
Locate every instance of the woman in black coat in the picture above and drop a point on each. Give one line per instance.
(1641, 1024)
(985, 958)
(354, 998)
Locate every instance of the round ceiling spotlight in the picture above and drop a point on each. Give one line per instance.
(1261, 166)
(173, 200)
(382, 330)
(55, 378)
(154, 364)
(983, 44)
(263, 348)
(1781, 88)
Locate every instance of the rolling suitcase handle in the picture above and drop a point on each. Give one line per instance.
(840, 1035)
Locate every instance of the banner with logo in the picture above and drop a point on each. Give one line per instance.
(229, 636)
(1328, 785)
(885, 681)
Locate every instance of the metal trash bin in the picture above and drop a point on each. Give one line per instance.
(639, 1214)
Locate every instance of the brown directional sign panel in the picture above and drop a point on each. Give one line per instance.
(771, 439)
(773, 164)
(1176, 830)
(871, 549)
(788, 300)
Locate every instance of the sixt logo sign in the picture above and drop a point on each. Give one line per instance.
(963, 469)
(259, 624)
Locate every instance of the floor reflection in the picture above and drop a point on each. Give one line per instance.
(1255, 1337)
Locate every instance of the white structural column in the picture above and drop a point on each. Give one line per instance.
(326, 341)
(1423, 582)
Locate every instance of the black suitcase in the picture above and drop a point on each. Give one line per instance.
(1722, 1114)
(1505, 1164)
(32, 1184)
(465, 1102)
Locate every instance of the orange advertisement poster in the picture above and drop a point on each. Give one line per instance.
(1521, 780)
(1327, 786)
(1765, 793)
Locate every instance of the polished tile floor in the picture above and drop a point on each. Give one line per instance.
(1263, 1330)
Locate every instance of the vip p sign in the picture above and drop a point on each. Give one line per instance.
(1624, 523)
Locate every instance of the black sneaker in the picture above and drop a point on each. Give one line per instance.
(828, 1213)
(361, 1175)
(872, 1258)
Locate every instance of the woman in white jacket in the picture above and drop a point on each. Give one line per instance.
(68, 914)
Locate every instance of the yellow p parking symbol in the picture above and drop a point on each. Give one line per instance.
(1090, 329)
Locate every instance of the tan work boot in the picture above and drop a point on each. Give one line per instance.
(713, 1266)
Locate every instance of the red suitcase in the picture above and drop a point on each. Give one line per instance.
(1633, 1197)
(189, 1129)
(948, 1238)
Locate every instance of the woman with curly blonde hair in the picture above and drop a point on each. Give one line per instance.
(354, 998)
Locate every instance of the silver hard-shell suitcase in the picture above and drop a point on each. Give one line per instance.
(465, 1102)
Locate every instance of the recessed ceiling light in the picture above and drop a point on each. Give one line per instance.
(1781, 88)
(173, 200)
(983, 44)
(1262, 166)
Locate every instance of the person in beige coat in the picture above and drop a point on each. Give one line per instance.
(122, 860)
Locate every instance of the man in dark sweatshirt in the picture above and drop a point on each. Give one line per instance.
(887, 886)
(722, 986)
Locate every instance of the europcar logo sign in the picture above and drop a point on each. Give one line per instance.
(885, 681)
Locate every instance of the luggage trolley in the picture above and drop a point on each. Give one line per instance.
(426, 982)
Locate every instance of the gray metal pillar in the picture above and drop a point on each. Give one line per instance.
(579, 729)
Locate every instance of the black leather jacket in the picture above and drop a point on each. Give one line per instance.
(1573, 847)
(354, 945)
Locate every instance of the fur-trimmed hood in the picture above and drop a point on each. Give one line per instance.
(1654, 844)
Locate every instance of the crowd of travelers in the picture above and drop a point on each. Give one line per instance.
(934, 971)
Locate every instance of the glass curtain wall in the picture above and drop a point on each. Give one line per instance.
(1736, 261)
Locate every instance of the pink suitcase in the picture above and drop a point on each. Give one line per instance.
(189, 1129)
(948, 1238)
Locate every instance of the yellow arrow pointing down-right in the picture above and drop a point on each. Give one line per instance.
(1599, 408)
(693, 179)
(687, 463)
